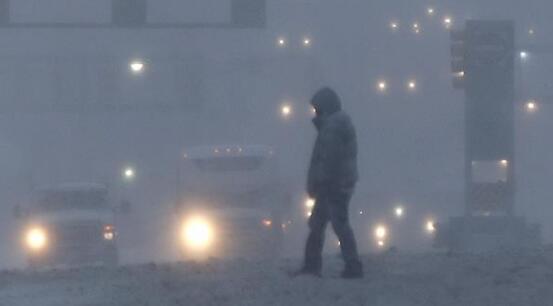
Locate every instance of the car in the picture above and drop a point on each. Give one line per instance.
(69, 224)
(231, 202)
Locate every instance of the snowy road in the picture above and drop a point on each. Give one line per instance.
(434, 279)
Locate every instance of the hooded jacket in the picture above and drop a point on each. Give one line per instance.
(333, 165)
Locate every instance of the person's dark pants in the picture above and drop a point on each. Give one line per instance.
(333, 207)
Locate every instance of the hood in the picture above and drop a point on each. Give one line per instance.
(326, 102)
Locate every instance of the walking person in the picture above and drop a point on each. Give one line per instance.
(331, 181)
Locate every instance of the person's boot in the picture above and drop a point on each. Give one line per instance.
(353, 271)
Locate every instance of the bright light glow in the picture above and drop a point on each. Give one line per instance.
(109, 232)
(381, 243)
(460, 74)
(394, 25)
(197, 233)
(309, 214)
(137, 66)
(524, 55)
(531, 106)
(412, 85)
(129, 173)
(399, 211)
(267, 222)
(531, 32)
(382, 86)
(380, 232)
(306, 42)
(109, 235)
(430, 226)
(361, 212)
(430, 11)
(281, 42)
(286, 110)
(310, 203)
(416, 28)
(448, 22)
(504, 163)
(36, 238)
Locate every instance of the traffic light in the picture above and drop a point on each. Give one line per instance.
(129, 13)
(4, 12)
(249, 13)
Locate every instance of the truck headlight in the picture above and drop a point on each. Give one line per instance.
(197, 233)
(36, 238)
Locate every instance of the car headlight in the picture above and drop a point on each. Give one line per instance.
(36, 238)
(197, 233)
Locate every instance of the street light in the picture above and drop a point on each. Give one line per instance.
(380, 232)
(430, 11)
(137, 66)
(430, 226)
(416, 28)
(412, 85)
(129, 173)
(394, 25)
(531, 106)
(399, 212)
(286, 110)
(448, 22)
(281, 42)
(382, 86)
(524, 55)
(306, 42)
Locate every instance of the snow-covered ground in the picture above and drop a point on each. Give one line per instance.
(504, 278)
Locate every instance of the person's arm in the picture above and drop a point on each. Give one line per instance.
(325, 160)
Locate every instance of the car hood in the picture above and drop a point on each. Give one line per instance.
(74, 216)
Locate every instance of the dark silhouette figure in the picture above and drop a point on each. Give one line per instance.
(331, 181)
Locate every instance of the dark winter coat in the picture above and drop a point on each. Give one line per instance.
(333, 164)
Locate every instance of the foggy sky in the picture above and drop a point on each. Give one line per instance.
(410, 143)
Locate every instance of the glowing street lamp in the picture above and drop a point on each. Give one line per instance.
(129, 174)
(281, 42)
(398, 211)
(380, 232)
(430, 11)
(137, 66)
(382, 86)
(416, 28)
(531, 106)
(524, 55)
(412, 85)
(430, 226)
(394, 25)
(306, 42)
(448, 22)
(286, 110)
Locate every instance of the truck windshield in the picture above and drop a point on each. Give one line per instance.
(53, 201)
